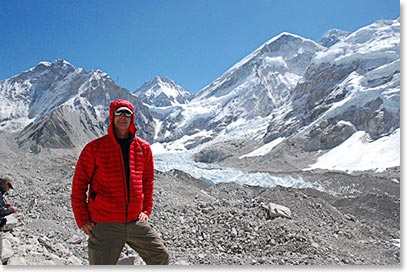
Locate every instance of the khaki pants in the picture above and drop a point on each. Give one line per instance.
(110, 238)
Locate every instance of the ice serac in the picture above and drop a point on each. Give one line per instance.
(162, 92)
(56, 105)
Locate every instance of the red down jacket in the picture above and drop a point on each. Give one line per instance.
(100, 168)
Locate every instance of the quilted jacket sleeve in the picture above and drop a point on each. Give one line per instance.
(81, 180)
(6, 211)
(148, 180)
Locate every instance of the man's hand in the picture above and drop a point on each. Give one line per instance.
(87, 228)
(143, 217)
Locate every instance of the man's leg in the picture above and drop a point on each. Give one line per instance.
(146, 241)
(107, 244)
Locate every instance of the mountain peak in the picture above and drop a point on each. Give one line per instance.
(161, 80)
(285, 41)
(286, 54)
(332, 37)
(162, 91)
(285, 35)
(58, 65)
(286, 45)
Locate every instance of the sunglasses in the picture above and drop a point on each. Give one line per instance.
(120, 113)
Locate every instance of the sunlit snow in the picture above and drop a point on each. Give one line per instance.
(263, 150)
(360, 153)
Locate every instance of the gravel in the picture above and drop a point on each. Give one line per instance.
(202, 224)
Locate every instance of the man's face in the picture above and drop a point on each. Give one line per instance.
(122, 122)
(6, 185)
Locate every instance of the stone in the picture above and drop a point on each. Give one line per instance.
(276, 210)
(8, 251)
(12, 222)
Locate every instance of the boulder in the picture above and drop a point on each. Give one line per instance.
(8, 251)
(12, 222)
(275, 210)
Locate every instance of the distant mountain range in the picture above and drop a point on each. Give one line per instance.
(290, 87)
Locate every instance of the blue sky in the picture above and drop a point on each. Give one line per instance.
(190, 41)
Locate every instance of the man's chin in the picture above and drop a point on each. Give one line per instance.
(122, 126)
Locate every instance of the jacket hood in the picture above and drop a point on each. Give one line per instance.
(122, 103)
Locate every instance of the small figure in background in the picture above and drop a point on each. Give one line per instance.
(5, 208)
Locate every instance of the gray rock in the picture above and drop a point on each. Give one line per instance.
(275, 210)
(328, 135)
(8, 251)
(12, 222)
(17, 261)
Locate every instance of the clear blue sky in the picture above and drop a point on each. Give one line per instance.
(190, 41)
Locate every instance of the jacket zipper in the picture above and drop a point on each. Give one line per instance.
(126, 193)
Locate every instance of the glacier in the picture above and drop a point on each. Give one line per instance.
(165, 161)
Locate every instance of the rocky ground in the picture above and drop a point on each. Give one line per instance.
(225, 223)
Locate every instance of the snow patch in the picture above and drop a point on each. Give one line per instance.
(264, 150)
(359, 153)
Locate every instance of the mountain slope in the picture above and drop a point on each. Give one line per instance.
(33, 94)
(356, 80)
(251, 89)
(59, 106)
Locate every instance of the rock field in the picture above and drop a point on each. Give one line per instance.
(226, 223)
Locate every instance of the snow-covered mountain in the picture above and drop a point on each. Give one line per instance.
(33, 94)
(250, 90)
(56, 105)
(162, 92)
(356, 80)
(293, 88)
(290, 94)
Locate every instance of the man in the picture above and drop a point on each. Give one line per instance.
(5, 208)
(112, 192)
